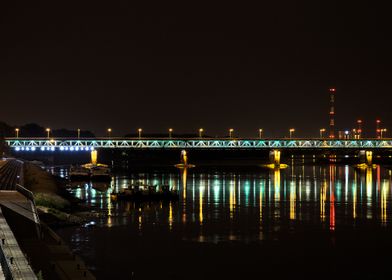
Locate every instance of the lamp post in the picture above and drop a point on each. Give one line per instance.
(109, 132)
(231, 130)
(48, 132)
(260, 133)
(78, 133)
(139, 131)
(292, 130)
(17, 132)
(322, 132)
(201, 130)
(170, 132)
(381, 131)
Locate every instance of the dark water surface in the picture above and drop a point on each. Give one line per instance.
(312, 222)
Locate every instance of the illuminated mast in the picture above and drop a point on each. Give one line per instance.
(359, 131)
(378, 130)
(332, 113)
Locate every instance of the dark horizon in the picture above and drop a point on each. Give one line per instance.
(125, 66)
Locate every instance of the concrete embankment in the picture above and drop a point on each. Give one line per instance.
(47, 254)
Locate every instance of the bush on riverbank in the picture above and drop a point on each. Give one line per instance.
(51, 201)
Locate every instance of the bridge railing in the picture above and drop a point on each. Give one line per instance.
(194, 138)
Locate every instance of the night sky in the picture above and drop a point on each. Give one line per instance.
(100, 64)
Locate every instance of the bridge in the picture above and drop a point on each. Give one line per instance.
(82, 144)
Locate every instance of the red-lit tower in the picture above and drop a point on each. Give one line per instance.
(359, 122)
(332, 113)
(378, 130)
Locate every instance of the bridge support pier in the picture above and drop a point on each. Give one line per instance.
(94, 157)
(275, 157)
(184, 161)
(184, 157)
(366, 157)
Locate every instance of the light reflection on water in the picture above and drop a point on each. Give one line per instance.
(222, 214)
(220, 206)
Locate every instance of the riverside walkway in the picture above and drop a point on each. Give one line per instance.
(14, 264)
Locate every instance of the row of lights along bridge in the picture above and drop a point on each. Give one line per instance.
(355, 133)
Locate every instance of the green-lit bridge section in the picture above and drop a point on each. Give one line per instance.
(67, 144)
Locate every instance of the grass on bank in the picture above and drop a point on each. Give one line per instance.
(47, 192)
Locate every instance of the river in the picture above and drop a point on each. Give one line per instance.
(305, 221)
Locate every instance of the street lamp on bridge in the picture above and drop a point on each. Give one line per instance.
(139, 131)
(381, 132)
(231, 130)
(201, 130)
(17, 132)
(292, 130)
(322, 130)
(48, 132)
(78, 133)
(109, 132)
(170, 132)
(260, 133)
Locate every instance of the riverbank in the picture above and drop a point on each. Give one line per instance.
(55, 206)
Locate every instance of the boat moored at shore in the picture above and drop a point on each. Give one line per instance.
(146, 192)
(79, 173)
(94, 172)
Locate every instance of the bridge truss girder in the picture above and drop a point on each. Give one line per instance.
(39, 144)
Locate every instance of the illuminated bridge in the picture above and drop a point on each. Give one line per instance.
(82, 144)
